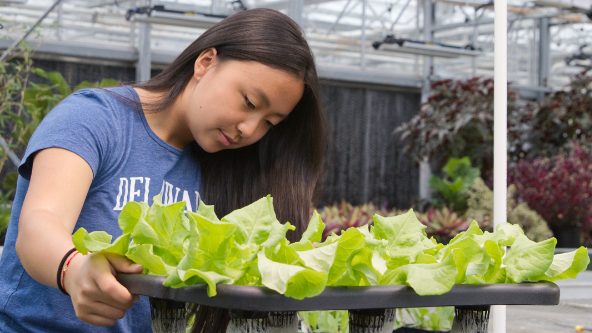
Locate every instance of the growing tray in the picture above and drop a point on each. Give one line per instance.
(249, 298)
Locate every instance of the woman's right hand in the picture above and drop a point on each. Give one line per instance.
(98, 298)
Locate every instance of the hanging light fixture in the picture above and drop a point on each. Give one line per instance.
(410, 46)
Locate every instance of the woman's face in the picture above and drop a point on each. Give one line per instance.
(232, 104)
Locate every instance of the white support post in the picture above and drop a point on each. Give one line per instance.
(500, 139)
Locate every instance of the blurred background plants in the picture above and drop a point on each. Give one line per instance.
(456, 121)
(442, 223)
(341, 216)
(325, 321)
(559, 187)
(429, 319)
(552, 180)
(480, 208)
(451, 188)
(27, 94)
(563, 118)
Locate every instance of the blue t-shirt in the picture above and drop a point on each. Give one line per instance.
(107, 128)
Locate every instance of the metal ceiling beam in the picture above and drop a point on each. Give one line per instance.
(562, 5)
(29, 31)
(129, 55)
(284, 4)
(190, 21)
(175, 31)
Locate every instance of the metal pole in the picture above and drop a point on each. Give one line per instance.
(218, 7)
(144, 64)
(500, 139)
(132, 26)
(295, 11)
(424, 166)
(17, 42)
(363, 36)
(400, 15)
(338, 18)
(474, 38)
(11, 155)
(60, 21)
(544, 62)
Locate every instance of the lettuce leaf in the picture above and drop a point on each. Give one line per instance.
(528, 260)
(257, 223)
(567, 265)
(99, 241)
(291, 280)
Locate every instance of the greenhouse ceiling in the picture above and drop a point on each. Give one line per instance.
(385, 42)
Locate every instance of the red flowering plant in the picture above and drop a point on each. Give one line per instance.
(559, 188)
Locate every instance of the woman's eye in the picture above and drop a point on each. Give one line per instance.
(249, 104)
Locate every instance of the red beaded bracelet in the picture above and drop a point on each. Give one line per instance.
(66, 268)
(60, 272)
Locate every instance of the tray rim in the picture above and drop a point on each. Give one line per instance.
(251, 298)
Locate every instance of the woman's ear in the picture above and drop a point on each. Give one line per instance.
(204, 62)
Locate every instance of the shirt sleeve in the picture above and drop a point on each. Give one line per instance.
(81, 123)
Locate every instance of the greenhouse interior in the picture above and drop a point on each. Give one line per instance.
(401, 230)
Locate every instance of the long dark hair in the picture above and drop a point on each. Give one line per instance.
(288, 160)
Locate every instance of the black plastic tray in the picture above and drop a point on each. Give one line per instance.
(344, 298)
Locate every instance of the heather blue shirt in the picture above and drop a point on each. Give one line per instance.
(107, 128)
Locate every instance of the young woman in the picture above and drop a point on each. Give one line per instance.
(236, 116)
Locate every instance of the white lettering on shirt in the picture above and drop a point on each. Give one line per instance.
(131, 189)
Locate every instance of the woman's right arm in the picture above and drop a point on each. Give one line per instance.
(58, 186)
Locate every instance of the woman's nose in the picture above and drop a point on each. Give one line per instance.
(249, 126)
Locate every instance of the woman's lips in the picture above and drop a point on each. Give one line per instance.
(226, 140)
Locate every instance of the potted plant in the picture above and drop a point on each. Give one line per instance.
(443, 224)
(344, 215)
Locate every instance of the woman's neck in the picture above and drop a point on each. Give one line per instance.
(168, 124)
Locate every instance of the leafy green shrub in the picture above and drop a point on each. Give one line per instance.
(451, 190)
(481, 209)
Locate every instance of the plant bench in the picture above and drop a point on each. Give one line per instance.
(258, 309)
